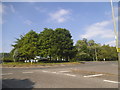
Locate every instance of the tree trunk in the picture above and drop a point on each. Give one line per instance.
(50, 57)
(96, 55)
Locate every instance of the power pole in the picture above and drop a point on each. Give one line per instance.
(117, 39)
(115, 31)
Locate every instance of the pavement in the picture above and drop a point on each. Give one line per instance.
(88, 75)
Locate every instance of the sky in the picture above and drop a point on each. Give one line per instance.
(91, 20)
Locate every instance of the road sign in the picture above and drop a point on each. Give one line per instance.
(118, 49)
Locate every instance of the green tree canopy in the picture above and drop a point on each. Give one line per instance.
(26, 46)
(48, 43)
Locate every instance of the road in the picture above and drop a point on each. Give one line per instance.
(88, 75)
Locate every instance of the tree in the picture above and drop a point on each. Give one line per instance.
(26, 46)
(56, 44)
(63, 44)
(107, 52)
(87, 50)
(15, 51)
(46, 43)
(93, 49)
(16, 55)
(6, 57)
(81, 46)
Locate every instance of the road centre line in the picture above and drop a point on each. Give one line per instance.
(7, 74)
(60, 73)
(27, 72)
(64, 71)
(50, 72)
(94, 75)
(53, 72)
(44, 71)
(70, 75)
(111, 81)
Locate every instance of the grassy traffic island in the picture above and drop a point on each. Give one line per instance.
(38, 64)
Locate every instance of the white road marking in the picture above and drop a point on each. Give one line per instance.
(59, 73)
(94, 75)
(27, 72)
(111, 81)
(45, 71)
(64, 71)
(5, 78)
(7, 74)
(53, 72)
(70, 75)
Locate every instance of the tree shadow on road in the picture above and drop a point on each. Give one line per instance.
(17, 83)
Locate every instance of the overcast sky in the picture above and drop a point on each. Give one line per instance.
(91, 20)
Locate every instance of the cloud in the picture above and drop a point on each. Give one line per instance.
(40, 9)
(12, 8)
(115, 10)
(28, 22)
(111, 43)
(60, 16)
(2, 11)
(2, 8)
(109, 13)
(99, 30)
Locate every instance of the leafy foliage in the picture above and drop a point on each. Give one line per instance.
(57, 45)
(26, 46)
(6, 57)
(49, 43)
(89, 50)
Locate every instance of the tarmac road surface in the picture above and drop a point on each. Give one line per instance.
(88, 75)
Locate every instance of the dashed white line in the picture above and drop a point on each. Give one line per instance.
(45, 71)
(70, 75)
(27, 72)
(94, 75)
(7, 74)
(64, 71)
(111, 81)
(53, 72)
(59, 73)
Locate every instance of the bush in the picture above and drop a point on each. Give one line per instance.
(7, 59)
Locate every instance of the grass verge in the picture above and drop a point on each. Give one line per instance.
(22, 64)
